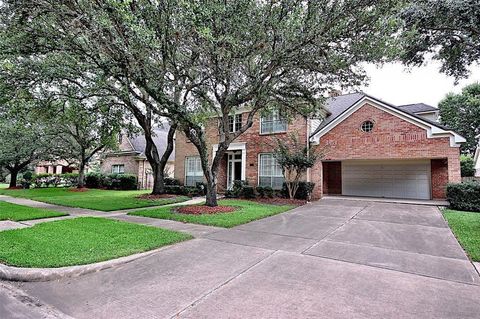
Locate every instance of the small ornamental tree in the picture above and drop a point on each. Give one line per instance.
(295, 158)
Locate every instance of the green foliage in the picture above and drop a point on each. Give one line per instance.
(237, 189)
(15, 212)
(94, 180)
(467, 166)
(171, 181)
(295, 157)
(461, 112)
(247, 212)
(81, 241)
(120, 181)
(189, 191)
(448, 30)
(304, 190)
(464, 196)
(265, 191)
(466, 227)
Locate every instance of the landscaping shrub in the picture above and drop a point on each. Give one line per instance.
(94, 180)
(171, 181)
(27, 179)
(303, 192)
(236, 190)
(265, 191)
(247, 191)
(45, 180)
(464, 196)
(70, 179)
(201, 188)
(121, 181)
(467, 166)
(181, 190)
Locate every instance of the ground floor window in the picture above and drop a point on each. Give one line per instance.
(118, 169)
(270, 173)
(193, 170)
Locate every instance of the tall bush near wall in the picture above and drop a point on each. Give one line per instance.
(464, 196)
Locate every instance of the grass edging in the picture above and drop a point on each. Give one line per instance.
(15, 212)
(248, 212)
(11, 273)
(466, 228)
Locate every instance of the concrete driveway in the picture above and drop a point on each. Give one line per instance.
(335, 258)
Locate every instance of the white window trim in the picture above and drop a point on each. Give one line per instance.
(258, 167)
(118, 165)
(236, 147)
(275, 132)
(235, 122)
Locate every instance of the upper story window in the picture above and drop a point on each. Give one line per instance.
(273, 122)
(193, 170)
(234, 122)
(118, 169)
(367, 126)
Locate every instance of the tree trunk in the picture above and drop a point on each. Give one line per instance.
(13, 178)
(158, 178)
(81, 176)
(211, 194)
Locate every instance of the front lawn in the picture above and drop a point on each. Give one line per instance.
(80, 241)
(15, 212)
(466, 227)
(2, 185)
(97, 199)
(247, 211)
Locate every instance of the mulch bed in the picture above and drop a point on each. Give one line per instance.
(78, 190)
(14, 188)
(280, 201)
(153, 197)
(201, 209)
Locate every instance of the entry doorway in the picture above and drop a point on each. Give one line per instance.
(234, 168)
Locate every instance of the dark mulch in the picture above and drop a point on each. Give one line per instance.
(78, 190)
(280, 201)
(15, 188)
(201, 209)
(152, 197)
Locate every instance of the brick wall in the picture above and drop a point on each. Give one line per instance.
(255, 144)
(391, 138)
(439, 172)
(131, 165)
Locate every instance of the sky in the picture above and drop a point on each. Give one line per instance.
(395, 84)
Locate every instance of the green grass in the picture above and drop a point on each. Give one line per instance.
(466, 227)
(15, 212)
(97, 199)
(80, 241)
(247, 212)
(2, 185)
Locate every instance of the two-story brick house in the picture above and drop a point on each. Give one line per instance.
(372, 148)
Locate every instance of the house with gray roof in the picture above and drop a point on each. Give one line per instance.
(371, 148)
(130, 157)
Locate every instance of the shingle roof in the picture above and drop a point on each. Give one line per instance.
(338, 105)
(418, 108)
(159, 137)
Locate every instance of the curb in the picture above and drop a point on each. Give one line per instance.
(11, 273)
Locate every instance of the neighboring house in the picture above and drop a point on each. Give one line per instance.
(130, 157)
(57, 167)
(423, 110)
(372, 148)
(476, 159)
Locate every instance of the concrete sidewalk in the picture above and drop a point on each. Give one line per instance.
(330, 259)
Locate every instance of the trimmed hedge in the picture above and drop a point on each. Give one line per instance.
(464, 196)
(111, 181)
(47, 180)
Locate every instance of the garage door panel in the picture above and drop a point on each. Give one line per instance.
(398, 180)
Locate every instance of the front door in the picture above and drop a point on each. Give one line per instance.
(234, 168)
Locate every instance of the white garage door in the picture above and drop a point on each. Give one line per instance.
(387, 179)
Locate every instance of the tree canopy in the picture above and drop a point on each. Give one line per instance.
(461, 112)
(447, 30)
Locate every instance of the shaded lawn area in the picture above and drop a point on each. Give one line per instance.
(3, 185)
(466, 227)
(80, 241)
(97, 199)
(17, 213)
(247, 212)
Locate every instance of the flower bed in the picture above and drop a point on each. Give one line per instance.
(201, 209)
(153, 197)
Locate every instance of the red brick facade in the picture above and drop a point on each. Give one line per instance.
(391, 138)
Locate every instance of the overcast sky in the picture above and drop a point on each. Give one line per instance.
(394, 84)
